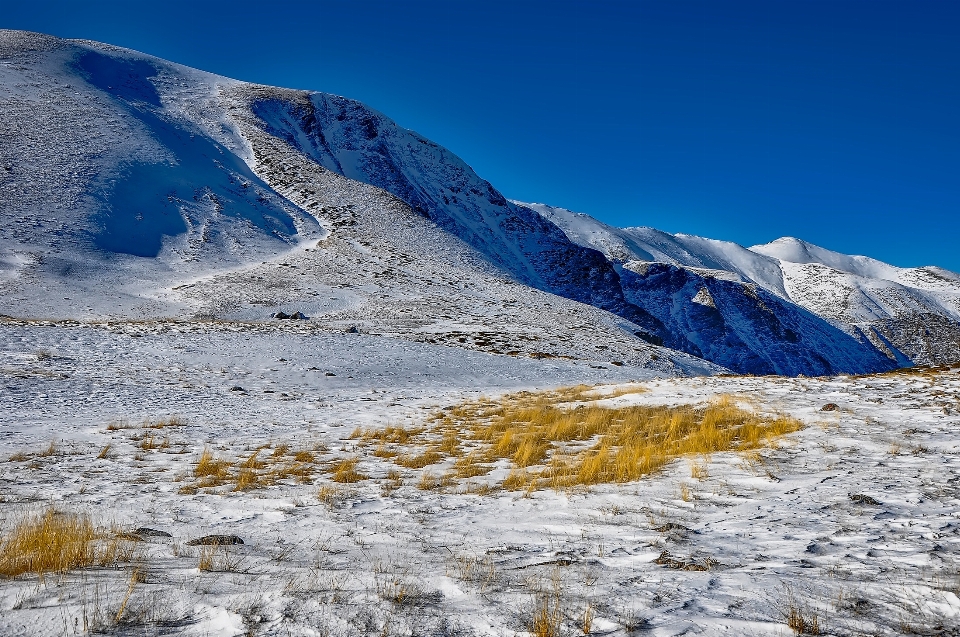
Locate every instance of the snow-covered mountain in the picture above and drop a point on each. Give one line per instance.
(131, 187)
(911, 315)
(136, 188)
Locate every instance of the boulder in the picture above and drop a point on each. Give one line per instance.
(215, 540)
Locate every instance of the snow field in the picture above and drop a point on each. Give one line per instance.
(729, 544)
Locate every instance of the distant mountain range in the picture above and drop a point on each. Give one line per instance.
(134, 187)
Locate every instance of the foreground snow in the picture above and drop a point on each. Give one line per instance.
(775, 530)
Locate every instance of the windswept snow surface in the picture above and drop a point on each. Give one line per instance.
(853, 519)
(910, 315)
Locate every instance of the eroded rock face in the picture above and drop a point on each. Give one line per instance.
(744, 327)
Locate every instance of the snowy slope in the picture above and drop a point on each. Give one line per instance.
(911, 315)
(620, 245)
(136, 188)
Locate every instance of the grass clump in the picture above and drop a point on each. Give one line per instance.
(210, 470)
(47, 542)
(345, 471)
(578, 436)
(52, 541)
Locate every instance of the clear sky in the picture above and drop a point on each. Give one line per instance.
(834, 121)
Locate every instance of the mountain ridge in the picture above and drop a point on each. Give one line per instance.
(180, 174)
(909, 314)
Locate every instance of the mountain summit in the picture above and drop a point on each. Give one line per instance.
(132, 187)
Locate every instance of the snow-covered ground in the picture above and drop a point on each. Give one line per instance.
(785, 527)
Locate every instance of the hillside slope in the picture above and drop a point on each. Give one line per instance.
(132, 187)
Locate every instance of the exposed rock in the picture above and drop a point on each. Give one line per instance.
(665, 559)
(148, 532)
(215, 540)
(830, 407)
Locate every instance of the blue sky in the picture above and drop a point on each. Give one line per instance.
(837, 122)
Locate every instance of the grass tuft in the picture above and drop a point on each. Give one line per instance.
(52, 541)
(346, 472)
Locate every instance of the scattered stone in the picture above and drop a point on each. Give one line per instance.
(830, 407)
(130, 537)
(650, 338)
(617, 363)
(861, 498)
(216, 540)
(329, 374)
(298, 316)
(352, 330)
(684, 565)
(148, 532)
(672, 526)
(237, 388)
(817, 549)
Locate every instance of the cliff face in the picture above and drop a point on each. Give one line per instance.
(743, 326)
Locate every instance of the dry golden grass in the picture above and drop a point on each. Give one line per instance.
(117, 425)
(572, 437)
(253, 472)
(346, 472)
(430, 481)
(394, 481)
(700, 470)
(547, 616)
(56, 542)
(419, 461)
(170, 421)
(471, 466)
(383, 452)
(304, 456)
(48, 542)
(246, 479)
(332, 496)
(206, 558)
(213, 471)
(104, 452)
(150, 442)
(392, 434)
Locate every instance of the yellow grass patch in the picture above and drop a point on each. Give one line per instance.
(256, 471)
(50, 541)
(577, 436)
(345, 471)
